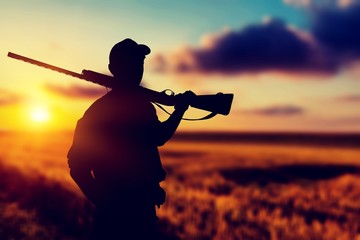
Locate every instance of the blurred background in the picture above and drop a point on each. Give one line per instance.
(284, 164)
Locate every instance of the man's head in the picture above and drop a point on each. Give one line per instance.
(126, 61)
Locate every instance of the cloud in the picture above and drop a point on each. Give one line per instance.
(348, 120)
(355, 98)
(282, 110)
(340, 121)
(271, 45)
(75, 91)
(337, 30)
(8, 98)
(334, 25)
(317, 4)
(331, 43)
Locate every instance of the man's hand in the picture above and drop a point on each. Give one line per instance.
(168, 127)
(183, 100)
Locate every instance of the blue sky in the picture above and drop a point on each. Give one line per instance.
(170, 21)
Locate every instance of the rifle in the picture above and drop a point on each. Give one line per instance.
(219, 103)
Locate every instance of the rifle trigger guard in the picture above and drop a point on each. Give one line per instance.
(169, 92)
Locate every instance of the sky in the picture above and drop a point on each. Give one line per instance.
(292, 65)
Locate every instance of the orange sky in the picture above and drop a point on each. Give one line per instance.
(80, 36)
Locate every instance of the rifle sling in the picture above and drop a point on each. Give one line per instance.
(211, 115)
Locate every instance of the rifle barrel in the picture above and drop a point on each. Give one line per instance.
(98, 78)
(45, 65)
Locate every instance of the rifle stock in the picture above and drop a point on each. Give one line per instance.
(219, 103)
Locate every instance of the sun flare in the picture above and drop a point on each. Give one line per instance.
(39, 114)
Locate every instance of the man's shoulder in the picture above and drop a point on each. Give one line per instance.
(99, 104)
(109, 98)
(121, 101)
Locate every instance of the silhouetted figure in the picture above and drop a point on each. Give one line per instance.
(114, 157)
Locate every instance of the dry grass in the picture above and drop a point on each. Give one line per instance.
(214, 191)
(244, 191)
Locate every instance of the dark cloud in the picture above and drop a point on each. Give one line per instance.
(8, 98)
(332, 43)
(283, 110)
(76, 91)
(338, 30)
(268, 46)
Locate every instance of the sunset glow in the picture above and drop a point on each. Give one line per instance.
(283, 164)
(288, 73)
(39, 114)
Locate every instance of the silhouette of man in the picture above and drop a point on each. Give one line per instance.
(114, 157)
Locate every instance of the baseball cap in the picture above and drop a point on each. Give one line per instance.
(127, 48)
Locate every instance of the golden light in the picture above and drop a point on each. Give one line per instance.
(40, 114)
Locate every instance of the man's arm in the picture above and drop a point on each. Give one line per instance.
(168, 127)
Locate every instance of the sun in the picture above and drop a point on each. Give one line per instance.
(39, 114)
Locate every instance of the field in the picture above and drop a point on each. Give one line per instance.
(216, 189)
